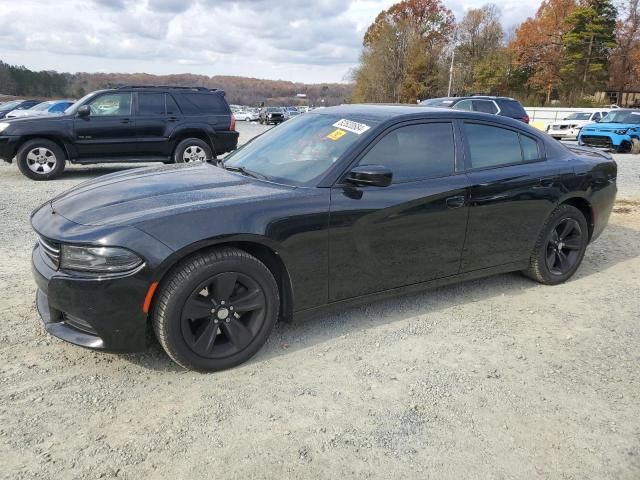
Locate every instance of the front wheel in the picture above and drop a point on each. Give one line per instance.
(560, 248)
(192, 150)
(216, 310)
(41, 159)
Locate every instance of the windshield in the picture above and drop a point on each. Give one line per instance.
(299, 151)
(622, 116)
(42, 106)
(578, 116)
(437, 102)
(11, 105)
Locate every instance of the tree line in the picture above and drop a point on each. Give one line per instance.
(22, 82)
(565, 53)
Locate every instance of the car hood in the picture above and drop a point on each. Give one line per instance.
(607, 127)
(132, 197)
(571, 122)
(34, 119)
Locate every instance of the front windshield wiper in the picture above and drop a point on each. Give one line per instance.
(244, 171)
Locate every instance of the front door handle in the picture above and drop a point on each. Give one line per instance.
(173, 119)
(455, 202)
(125, 120)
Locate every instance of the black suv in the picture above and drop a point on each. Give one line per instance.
(125, 124)
(503, 106)
(273, 115)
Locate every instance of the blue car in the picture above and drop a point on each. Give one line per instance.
(619, 130)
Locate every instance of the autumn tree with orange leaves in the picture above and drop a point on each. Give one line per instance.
(538, 47)
(402, 50)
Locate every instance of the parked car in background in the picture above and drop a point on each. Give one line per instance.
(340, 206)
(126, 124)
(273, 115)
(618, 130)
(248, 115)
(569, 128)
(16, 105)
(503, 106)
(51, 107)
(292, 112)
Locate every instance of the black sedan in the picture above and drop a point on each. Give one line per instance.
(336, 207)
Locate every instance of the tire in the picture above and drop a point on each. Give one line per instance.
(200, 283)
(192, 150)
(546, 265)
(635, 146)
(41, 159)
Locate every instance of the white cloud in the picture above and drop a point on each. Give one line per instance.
(302, 40)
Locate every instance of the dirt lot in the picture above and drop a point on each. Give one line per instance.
(499, 378)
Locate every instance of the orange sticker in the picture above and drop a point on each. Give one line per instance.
(336, 134)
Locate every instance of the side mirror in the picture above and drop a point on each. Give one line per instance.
(84, 111)
(370, 176)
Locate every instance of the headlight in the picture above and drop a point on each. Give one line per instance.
(98, 259)
(4, 126)
(621, 131)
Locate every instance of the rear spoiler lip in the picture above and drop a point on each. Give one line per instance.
(580, 149)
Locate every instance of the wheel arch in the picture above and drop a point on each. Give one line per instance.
(585, 207)
(52, 138)
(257, 247)
(192, 132)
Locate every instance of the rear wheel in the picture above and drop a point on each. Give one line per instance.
(41, 159)
(216, 310)
(560, 247)
(192, 150)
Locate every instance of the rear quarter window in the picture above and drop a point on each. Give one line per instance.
(202, 104)
(512, 108)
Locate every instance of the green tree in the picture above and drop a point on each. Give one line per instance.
(588, 46)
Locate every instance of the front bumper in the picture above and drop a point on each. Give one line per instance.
(8, 147)
(565, 133)
(102, 313)
(603, 139)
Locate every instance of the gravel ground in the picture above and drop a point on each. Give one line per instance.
(499, 378)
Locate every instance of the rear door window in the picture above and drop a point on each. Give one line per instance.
(171, 105)
(492, 146)
(151, 104)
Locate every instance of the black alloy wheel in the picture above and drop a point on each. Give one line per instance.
(216, 309)
(560, 247)
(223, 314)
(564, 245)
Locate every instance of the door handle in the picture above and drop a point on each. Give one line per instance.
(455, 202)
(124, 120)
(546, 182)
(172, 119)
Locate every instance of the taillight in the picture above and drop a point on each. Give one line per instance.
(525, 119)
(232, 127)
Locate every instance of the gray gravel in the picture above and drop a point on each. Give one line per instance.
(499, 378)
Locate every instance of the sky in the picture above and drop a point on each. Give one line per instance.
(311, 41)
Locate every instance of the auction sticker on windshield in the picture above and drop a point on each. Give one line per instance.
(337, 134)
(351, 126)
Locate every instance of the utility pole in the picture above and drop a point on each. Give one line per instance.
(453, 56)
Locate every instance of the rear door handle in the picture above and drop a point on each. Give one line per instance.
(546, 182)
(455, 202)
(125, 120)
(173, 119)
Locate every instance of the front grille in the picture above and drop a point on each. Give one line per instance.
(596, 140)
(50, 250)
(78, 324)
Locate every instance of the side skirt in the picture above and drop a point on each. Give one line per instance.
(416, 287)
